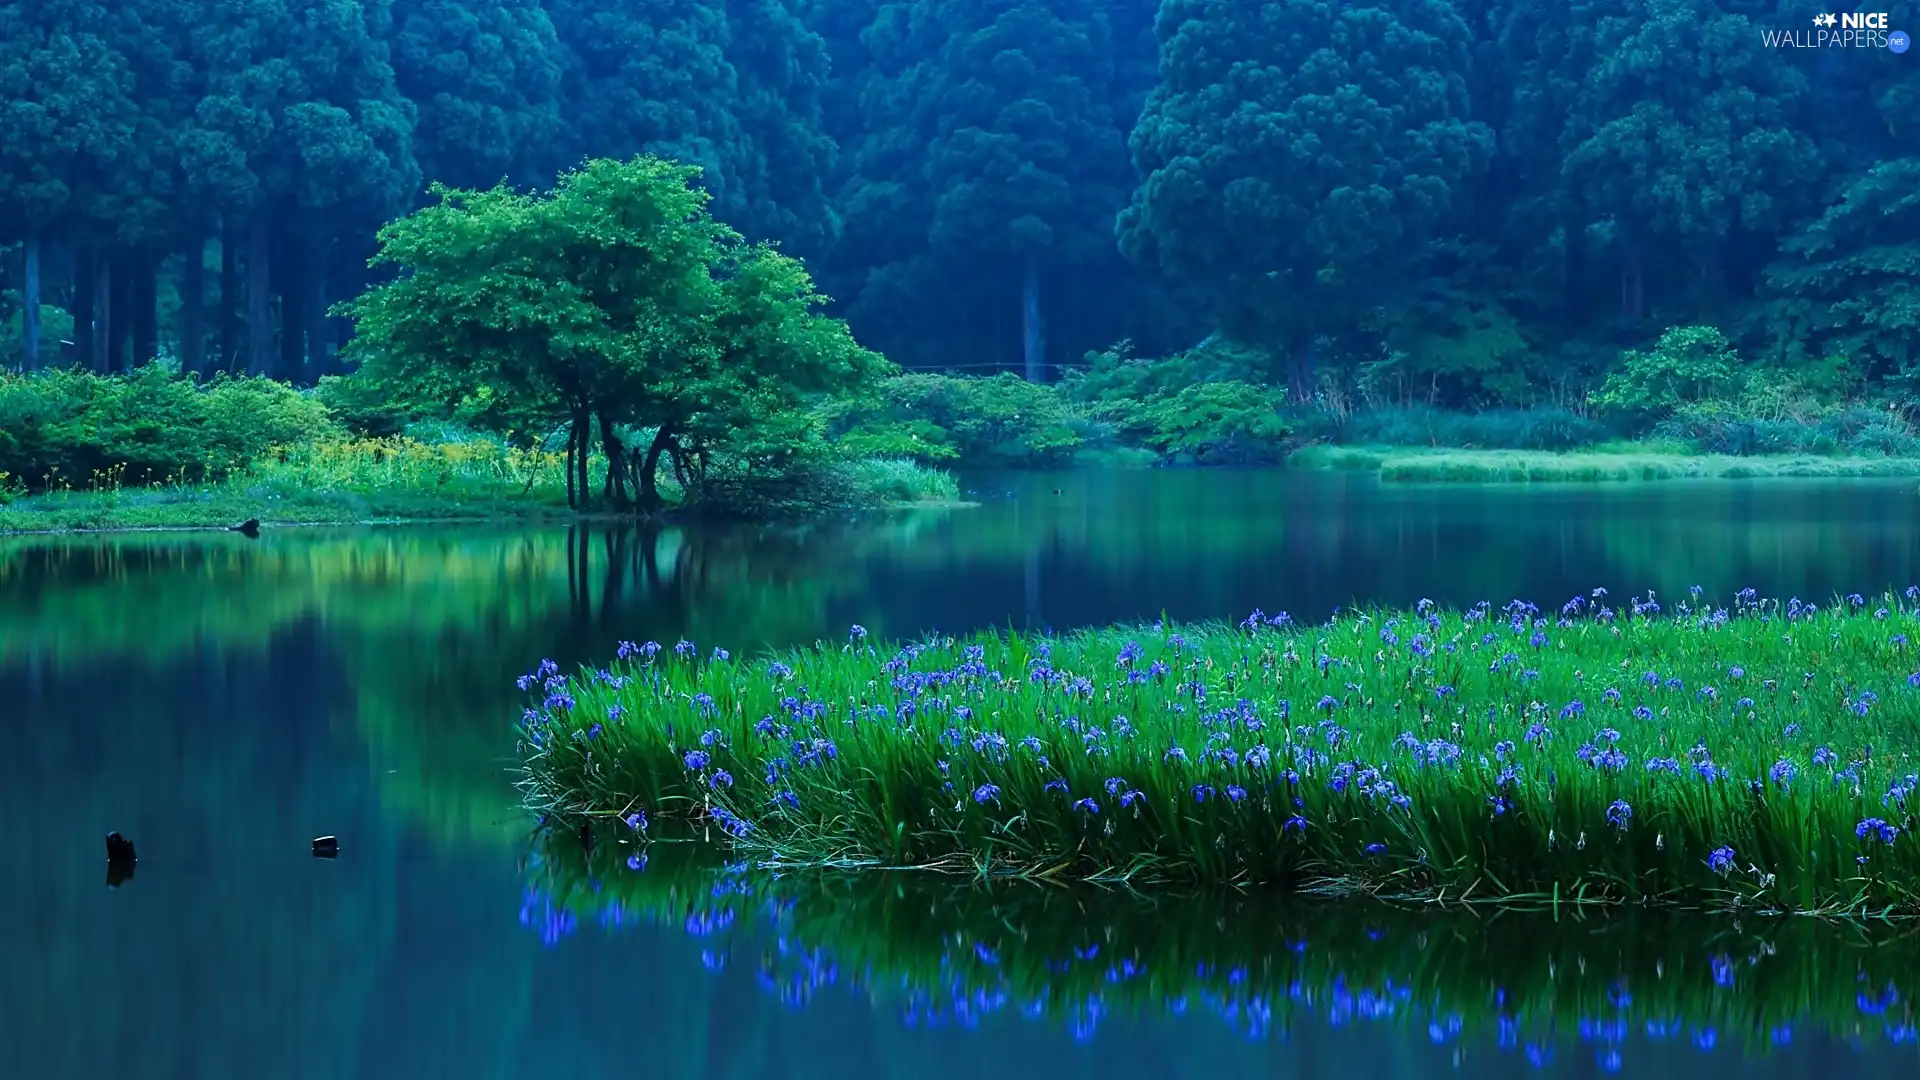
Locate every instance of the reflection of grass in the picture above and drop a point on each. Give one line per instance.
(1706, 758)
(948, 950)
(1422, 464)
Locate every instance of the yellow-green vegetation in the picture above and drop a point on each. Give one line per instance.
(1617, 462)
(154, 450)
(337, 481)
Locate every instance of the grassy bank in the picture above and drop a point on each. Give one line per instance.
(1757, 755)
(1611, 462)
(345, 481)
(942, 952)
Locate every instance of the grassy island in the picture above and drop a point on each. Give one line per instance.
(1758, 755)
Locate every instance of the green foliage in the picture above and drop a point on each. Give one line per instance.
(1452, 348)
(1689, 365)
(1498, 429)
(1526, 784)
(1211, 423)
(70, 429)
(618, 299)
(1001, 421)
(1292, 150)
(56, 325)
(1850, 281)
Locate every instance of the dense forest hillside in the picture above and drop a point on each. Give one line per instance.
(1457, 202)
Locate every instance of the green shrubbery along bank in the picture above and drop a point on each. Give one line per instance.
(610, 327)
(1688, 393)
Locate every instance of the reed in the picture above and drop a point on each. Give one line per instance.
(1756, 755)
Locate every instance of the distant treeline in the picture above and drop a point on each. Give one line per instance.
(1460, 202)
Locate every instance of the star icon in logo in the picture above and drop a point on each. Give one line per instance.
(1824, 20)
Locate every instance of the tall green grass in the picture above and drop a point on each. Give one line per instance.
(940, 950)
(1756, 755)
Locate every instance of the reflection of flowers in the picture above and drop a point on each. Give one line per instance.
(1078, 958)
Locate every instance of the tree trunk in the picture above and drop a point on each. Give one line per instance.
(146, 315)
(193, 291)
(291, 278)
(1032, 332)
(103, 305)
(30, 311)
(319, 328)
(1300, 369)
(1633, 287)
(616, 485)
(573, 445)
(649, 493)
(84, 303)
(126, 296)
(259, 297)
(583, 427)
(229, 357)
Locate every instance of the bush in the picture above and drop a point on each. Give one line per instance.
(66, 428)
(1689, 365)
(1001, 420)
(1499, 429)
(1211, 424)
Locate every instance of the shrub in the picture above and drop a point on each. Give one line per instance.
(1215, 423)
(996, 421)
(1689, 364)
(65, 427)
(1499, 429)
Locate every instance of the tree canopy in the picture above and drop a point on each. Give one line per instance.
(614, 303)
(1492, 200)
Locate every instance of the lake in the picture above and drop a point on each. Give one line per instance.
(222, 701)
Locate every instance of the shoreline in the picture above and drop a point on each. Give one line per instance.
(528, 516)
(1621, 463)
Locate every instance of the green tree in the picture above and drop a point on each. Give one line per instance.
(303, 131)
(1692, 143)
(1298, 156)
(1849, 283)
(485, 77)
(616, 300)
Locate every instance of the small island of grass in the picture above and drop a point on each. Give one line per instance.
(1757, 755)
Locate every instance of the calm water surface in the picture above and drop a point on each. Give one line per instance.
(222, 701)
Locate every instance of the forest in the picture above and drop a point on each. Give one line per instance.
(1197, 229)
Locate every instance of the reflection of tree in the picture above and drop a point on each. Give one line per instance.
(432, 655)
(430, 625)
(1213, 544)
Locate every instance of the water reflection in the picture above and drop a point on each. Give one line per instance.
(937, 952)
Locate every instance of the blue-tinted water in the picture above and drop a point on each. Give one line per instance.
(223, 702)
